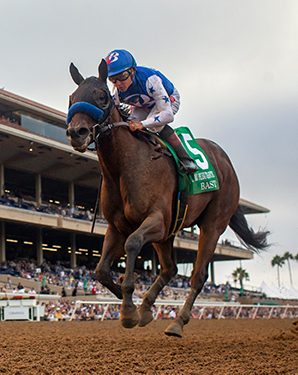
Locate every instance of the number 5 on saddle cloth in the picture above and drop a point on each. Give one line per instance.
(204, 180)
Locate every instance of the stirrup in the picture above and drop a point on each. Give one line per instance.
(188, 166)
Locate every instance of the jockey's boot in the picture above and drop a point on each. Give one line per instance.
(187, 164)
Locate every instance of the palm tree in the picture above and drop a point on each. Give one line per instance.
(239, 274)
(279, 262)
(296, 257)
(287, 256)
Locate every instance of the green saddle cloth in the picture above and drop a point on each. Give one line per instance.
(205, 179)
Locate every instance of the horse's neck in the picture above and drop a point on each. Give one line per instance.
(116, 149)
(116, 117)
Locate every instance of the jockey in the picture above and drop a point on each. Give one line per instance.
(153, 98)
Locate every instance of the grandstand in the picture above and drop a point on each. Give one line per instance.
(49, 191)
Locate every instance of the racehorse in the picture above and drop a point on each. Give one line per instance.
(138, 200)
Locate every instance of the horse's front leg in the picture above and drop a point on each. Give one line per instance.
(113, 249)
(168, 269)
(151, 230)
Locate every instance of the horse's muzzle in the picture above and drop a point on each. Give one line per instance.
(79, 138)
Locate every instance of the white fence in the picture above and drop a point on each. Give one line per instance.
(24, 306)
(21, 309)
(201, 310)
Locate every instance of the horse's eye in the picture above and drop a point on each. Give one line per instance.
(100, 97)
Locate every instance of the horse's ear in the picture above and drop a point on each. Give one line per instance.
(103, 70)
(75, 74)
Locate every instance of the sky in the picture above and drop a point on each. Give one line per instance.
(234, 63)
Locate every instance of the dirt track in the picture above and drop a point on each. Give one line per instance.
(207, 347)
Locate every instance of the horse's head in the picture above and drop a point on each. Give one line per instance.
(89, 105)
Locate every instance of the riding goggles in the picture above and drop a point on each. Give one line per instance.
(120, 76)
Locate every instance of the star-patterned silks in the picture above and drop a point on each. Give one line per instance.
(149, 97)
(151, 90)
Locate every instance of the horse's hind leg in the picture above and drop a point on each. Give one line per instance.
(206, 249)
(113, 249)
(168, 270)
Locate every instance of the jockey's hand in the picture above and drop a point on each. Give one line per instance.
(134, 125)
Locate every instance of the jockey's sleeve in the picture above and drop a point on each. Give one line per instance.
(115, 96)
(162, 113)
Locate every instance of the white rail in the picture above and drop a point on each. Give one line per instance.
(219, 309)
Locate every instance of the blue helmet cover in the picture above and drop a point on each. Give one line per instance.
(119, 60)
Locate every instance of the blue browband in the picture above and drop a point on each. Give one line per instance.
(84, 107)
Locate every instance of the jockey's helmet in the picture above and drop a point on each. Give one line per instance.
(119, 60)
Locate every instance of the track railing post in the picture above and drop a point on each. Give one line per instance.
(255, 313)
(239, 312)
(105, 312)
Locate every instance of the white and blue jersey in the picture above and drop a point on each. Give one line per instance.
(153, 98)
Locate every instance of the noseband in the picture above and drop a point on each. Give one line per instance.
(89, 109)
(102, 118)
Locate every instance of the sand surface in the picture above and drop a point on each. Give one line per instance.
(207, 347)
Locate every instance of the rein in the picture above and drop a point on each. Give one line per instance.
(96, 209)
(99, 130)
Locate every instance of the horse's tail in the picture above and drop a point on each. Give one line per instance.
(254, 241)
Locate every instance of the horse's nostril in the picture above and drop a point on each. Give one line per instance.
(83, 132)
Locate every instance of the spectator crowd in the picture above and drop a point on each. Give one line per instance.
(82, 279)
(17, 201)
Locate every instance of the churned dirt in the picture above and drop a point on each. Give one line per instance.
(207, 347)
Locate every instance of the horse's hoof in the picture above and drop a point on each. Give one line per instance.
(294, 329)
(174, 329)
(129, 319)
(145, 318)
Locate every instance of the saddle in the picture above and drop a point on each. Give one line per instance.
(151, 138)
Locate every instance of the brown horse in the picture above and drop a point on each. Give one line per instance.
(138, 197)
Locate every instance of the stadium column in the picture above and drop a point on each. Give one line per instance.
(73, 258)
(154, 262)
(1, 179)
(211, 267)
(2, 242)
(38, 190)
(39, 251)
(71, 195)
